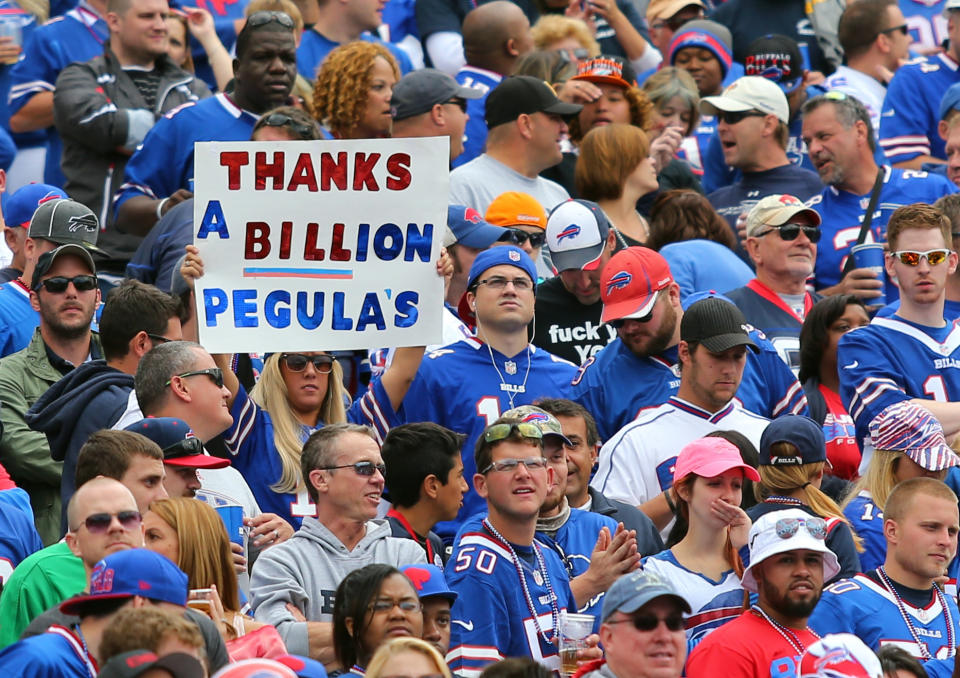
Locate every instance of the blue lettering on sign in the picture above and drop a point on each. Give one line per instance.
(340, 322)
(245, 308)
(418, 243)
(407, 311)
(380, 247)
(363, 241)
(213, 221)
(214, 303)
(310, 321)
(278, 318)
(370, 313)
(665, 472)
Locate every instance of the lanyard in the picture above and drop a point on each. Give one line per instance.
(393, 513)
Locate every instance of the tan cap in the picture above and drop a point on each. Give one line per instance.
(749, 93)
(664, 9)
(776, 210)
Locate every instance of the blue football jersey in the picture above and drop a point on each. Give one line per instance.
(57, 653)
(842, 214)
(911, 109)
(615, 385)
(491, 619)
(457, 386)
(18, 539)
(891, 360)
(862, 606)
(866, 519)
(765, 309)
(314, 48)
(475, 133)
(18, 319)
(250, 441)
(928, 26)
(164, 161)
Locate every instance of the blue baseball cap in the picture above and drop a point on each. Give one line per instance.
(179, 444)
(468, 227)
(18, 209)
(304, 667)
(134, 572)
(496, 256)
(950, 100)
(429, 581)
(802, 432)
(634, 590)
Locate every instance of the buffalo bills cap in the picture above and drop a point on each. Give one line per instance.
(802, 432)
(911, 429)
(137, 662)
(429, 581)
(548, 424)
(577, 233)
(170, 434)
(496, 256)
(717, 324)
(133, 572)
(631, 281)
(467, 226)
(18, 209)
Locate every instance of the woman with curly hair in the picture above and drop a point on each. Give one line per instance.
(351, 98)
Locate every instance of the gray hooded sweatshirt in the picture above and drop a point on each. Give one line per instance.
(306, 570)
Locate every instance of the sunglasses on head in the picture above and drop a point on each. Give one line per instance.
(518, 236)
(214, 373)
(297, 362)
(183, 448)
(788, 527)
(59, 283)
(792, 231)
(99, 523)
(361, 468)
(648, 622)
(302, 130)
(499, 432)
(912, 257)
(733, 117)
(265, 17)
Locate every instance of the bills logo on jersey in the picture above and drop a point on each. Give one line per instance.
(619, 281)
(571, 231)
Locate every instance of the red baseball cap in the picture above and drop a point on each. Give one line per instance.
(631, 281)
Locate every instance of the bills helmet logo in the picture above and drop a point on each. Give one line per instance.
(418, 576)
(472, 215)
(571, 231)
(534, 417)
(85, 222)
(618, 281)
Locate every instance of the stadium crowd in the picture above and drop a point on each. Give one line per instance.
(697, 399)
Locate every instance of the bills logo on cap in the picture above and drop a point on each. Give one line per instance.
(417, 576)
(513, 255)
(51, 195)
(619, 281)
(789, 200)
(535, 416)
(571, 231)
(88, 222)
(101, 581)
(472, 215)
(786, 461)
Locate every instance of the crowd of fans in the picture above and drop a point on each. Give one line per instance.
(696, 401)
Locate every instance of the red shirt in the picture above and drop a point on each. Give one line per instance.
(841, 437)
(747, 647)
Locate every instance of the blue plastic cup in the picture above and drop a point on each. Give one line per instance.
(232, 517)
(870, 255)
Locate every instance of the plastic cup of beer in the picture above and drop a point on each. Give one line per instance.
(574, 630)
(199, 599)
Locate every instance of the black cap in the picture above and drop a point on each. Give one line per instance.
(802, 432)
(775, 57)
(419, 91)
(522, 95)
(717, 324)
(137, 662)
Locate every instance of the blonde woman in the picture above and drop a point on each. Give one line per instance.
(793, 457)
(908, 443)
(410, 657)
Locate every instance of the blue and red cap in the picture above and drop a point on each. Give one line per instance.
(18, 209)
(179, 444)
(468, 227)
(129, 573)
(429, 581)
(911, 429)
(304, 667)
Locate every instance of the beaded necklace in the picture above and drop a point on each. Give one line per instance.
(542, 571)
(787, 634)
(778, 499)
(888, 585)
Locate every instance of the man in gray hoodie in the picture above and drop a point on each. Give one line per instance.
(293, 584)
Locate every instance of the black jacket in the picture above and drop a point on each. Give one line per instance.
(648, 538)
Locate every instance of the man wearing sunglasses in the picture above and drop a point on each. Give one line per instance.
(900, 602)
(63, 295)
(753, 119)
(912, 355)
(525, 222)
(782, 236)
(788, 563)
(643, 629)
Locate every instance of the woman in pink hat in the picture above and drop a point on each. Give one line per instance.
(703, 561)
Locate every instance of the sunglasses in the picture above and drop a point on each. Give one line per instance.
(297, 362)
(58, 284)
(912, 257)
(532, 464)
(460, 103)
(99, 523)
(159, 338)
(302, 130)
(361, 468)
(792, 231)
(675, 22)
(648, 622)
(902, 29)
(187, 447)
(214, 373)
(733, 117)
(518, 236)
(499, 432)
(788, 527)
(384, 605)
(265, 17)
(620, 322)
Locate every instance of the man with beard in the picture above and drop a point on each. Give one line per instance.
(788, 563)
(839, 138)
(899, 603)
(63, 291)
(638, 370)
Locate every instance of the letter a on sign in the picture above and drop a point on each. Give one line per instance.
(213, 221)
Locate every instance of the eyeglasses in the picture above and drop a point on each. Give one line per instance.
(788, 527)
(183, 448)
(499, 282)
(159, 338)
(99, 523)
(214, 373)
(518, 236)
(58, 284)
(265, 17)
(912, 257)
(792, 231)
(648, 622)
(361, 468)
(733, 117)
(384, 605)
(532, 464)
(461, 103)
(297, 362)
(303, 130)
(902, 28)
